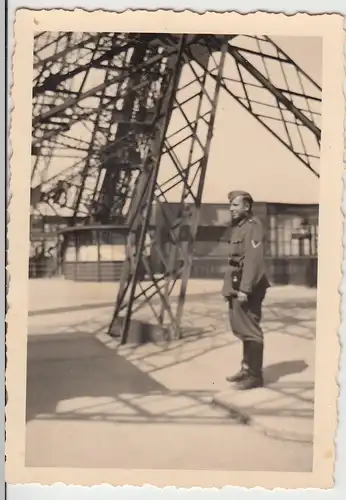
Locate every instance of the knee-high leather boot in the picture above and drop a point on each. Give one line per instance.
(243, 372)
(254, 376)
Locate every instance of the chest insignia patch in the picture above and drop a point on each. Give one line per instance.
(255, 244)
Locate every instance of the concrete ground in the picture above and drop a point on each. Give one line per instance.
(91, 403)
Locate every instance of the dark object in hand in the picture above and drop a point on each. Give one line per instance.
(236, 278)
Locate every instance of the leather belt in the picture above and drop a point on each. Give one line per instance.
(233, 263)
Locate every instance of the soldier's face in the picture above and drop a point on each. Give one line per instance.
(237, 208)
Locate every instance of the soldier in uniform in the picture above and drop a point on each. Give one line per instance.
(245, 286)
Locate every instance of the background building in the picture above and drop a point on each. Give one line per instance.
(97, 255)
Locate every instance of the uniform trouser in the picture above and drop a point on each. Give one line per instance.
(245, 321)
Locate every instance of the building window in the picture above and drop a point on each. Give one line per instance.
(290, 235)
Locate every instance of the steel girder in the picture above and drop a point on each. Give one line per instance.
(279, 94)
(79, 78)
(147, 133)
(181, 144)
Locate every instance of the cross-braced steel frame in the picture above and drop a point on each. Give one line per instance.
(127, 120)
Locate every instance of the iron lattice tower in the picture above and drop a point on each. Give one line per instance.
(122, 120)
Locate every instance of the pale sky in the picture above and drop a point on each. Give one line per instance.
(245, 156)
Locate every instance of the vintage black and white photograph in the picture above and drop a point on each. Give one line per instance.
(173, 267)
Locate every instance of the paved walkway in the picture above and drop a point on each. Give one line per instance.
(91, 403)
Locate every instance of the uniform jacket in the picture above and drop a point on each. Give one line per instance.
(246, 257)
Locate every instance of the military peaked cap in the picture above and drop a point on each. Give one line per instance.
(244, 194)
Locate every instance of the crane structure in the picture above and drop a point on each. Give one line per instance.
(124, 121)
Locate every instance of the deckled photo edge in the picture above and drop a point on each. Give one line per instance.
(19, 222)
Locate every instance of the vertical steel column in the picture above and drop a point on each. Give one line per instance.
(186, 150)
(150, 172)
(203, 169)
